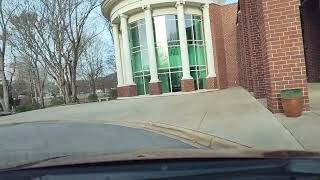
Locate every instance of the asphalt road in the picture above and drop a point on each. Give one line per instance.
(27, 142)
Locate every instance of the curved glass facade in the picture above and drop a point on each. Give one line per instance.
(196, 50)
(139, 56)
(168, 52)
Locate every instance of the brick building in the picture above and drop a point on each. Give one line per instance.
(165, 46)
(278, 47)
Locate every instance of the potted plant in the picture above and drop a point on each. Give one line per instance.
(292, 102)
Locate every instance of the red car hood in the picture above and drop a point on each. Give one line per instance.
(172, 154)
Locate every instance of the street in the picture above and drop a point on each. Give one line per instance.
(36, 141)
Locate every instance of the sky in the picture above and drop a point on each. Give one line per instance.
(231, 1)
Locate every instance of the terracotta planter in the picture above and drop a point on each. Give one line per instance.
(292, 107)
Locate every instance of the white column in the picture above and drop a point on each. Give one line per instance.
(208, 41)
(126, 49)
(183, 41)
(115, 30)
(122, 61)
(151, 46)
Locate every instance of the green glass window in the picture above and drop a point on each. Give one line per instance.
(201, 57)
(198, 35)
(197, 57)
(139, 56)
(189, 25)
(192, 55)
(136, 62)
(145, 60)
(176, 81)
(202, 79)
(172, 28)
(165, 82)
(168, 52)
(162, 57)
(143, 36)
(140, 85)
(135, 36)
(175, 56)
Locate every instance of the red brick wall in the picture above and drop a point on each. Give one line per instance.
(218, 45)
(251, 61)
(283, 46)
(271, 30)
(229, 21)
(224, 36)
(245, 60)
(310, 15)
(255, 49)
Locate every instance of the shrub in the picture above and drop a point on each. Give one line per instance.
(113, 94)
(57, 101)
(28, 107)
(92, 98)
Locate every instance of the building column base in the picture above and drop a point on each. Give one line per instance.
(212, 83)
(127, 91)
(155, 88)
(187, 85)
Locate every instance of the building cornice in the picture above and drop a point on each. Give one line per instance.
(108, 5)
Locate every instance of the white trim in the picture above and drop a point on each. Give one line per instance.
(131, 7)
(136, 17)
(164, 11)
(193, 11)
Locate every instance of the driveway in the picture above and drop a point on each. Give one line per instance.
(32, 142)
(231, 114)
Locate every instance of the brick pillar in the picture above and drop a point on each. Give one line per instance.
(282, 49)
(219, 49)
(127, 91)
(187, 85)
(155, 88)
(255, 50)
(240, 49)
(246, 57)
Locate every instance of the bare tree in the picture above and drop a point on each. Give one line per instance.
(40, 31)
(78, 12)
(56, 31)
(6, 13)
(92, 64)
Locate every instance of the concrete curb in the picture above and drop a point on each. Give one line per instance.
(167, 94)
(195, 137)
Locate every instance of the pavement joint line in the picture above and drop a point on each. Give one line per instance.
(291, 133)
(199, 126)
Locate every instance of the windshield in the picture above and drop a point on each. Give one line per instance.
(105, 77)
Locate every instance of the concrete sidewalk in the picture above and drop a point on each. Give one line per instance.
(306, 129)
(231, 114)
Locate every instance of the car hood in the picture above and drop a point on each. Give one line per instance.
(170, 154)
